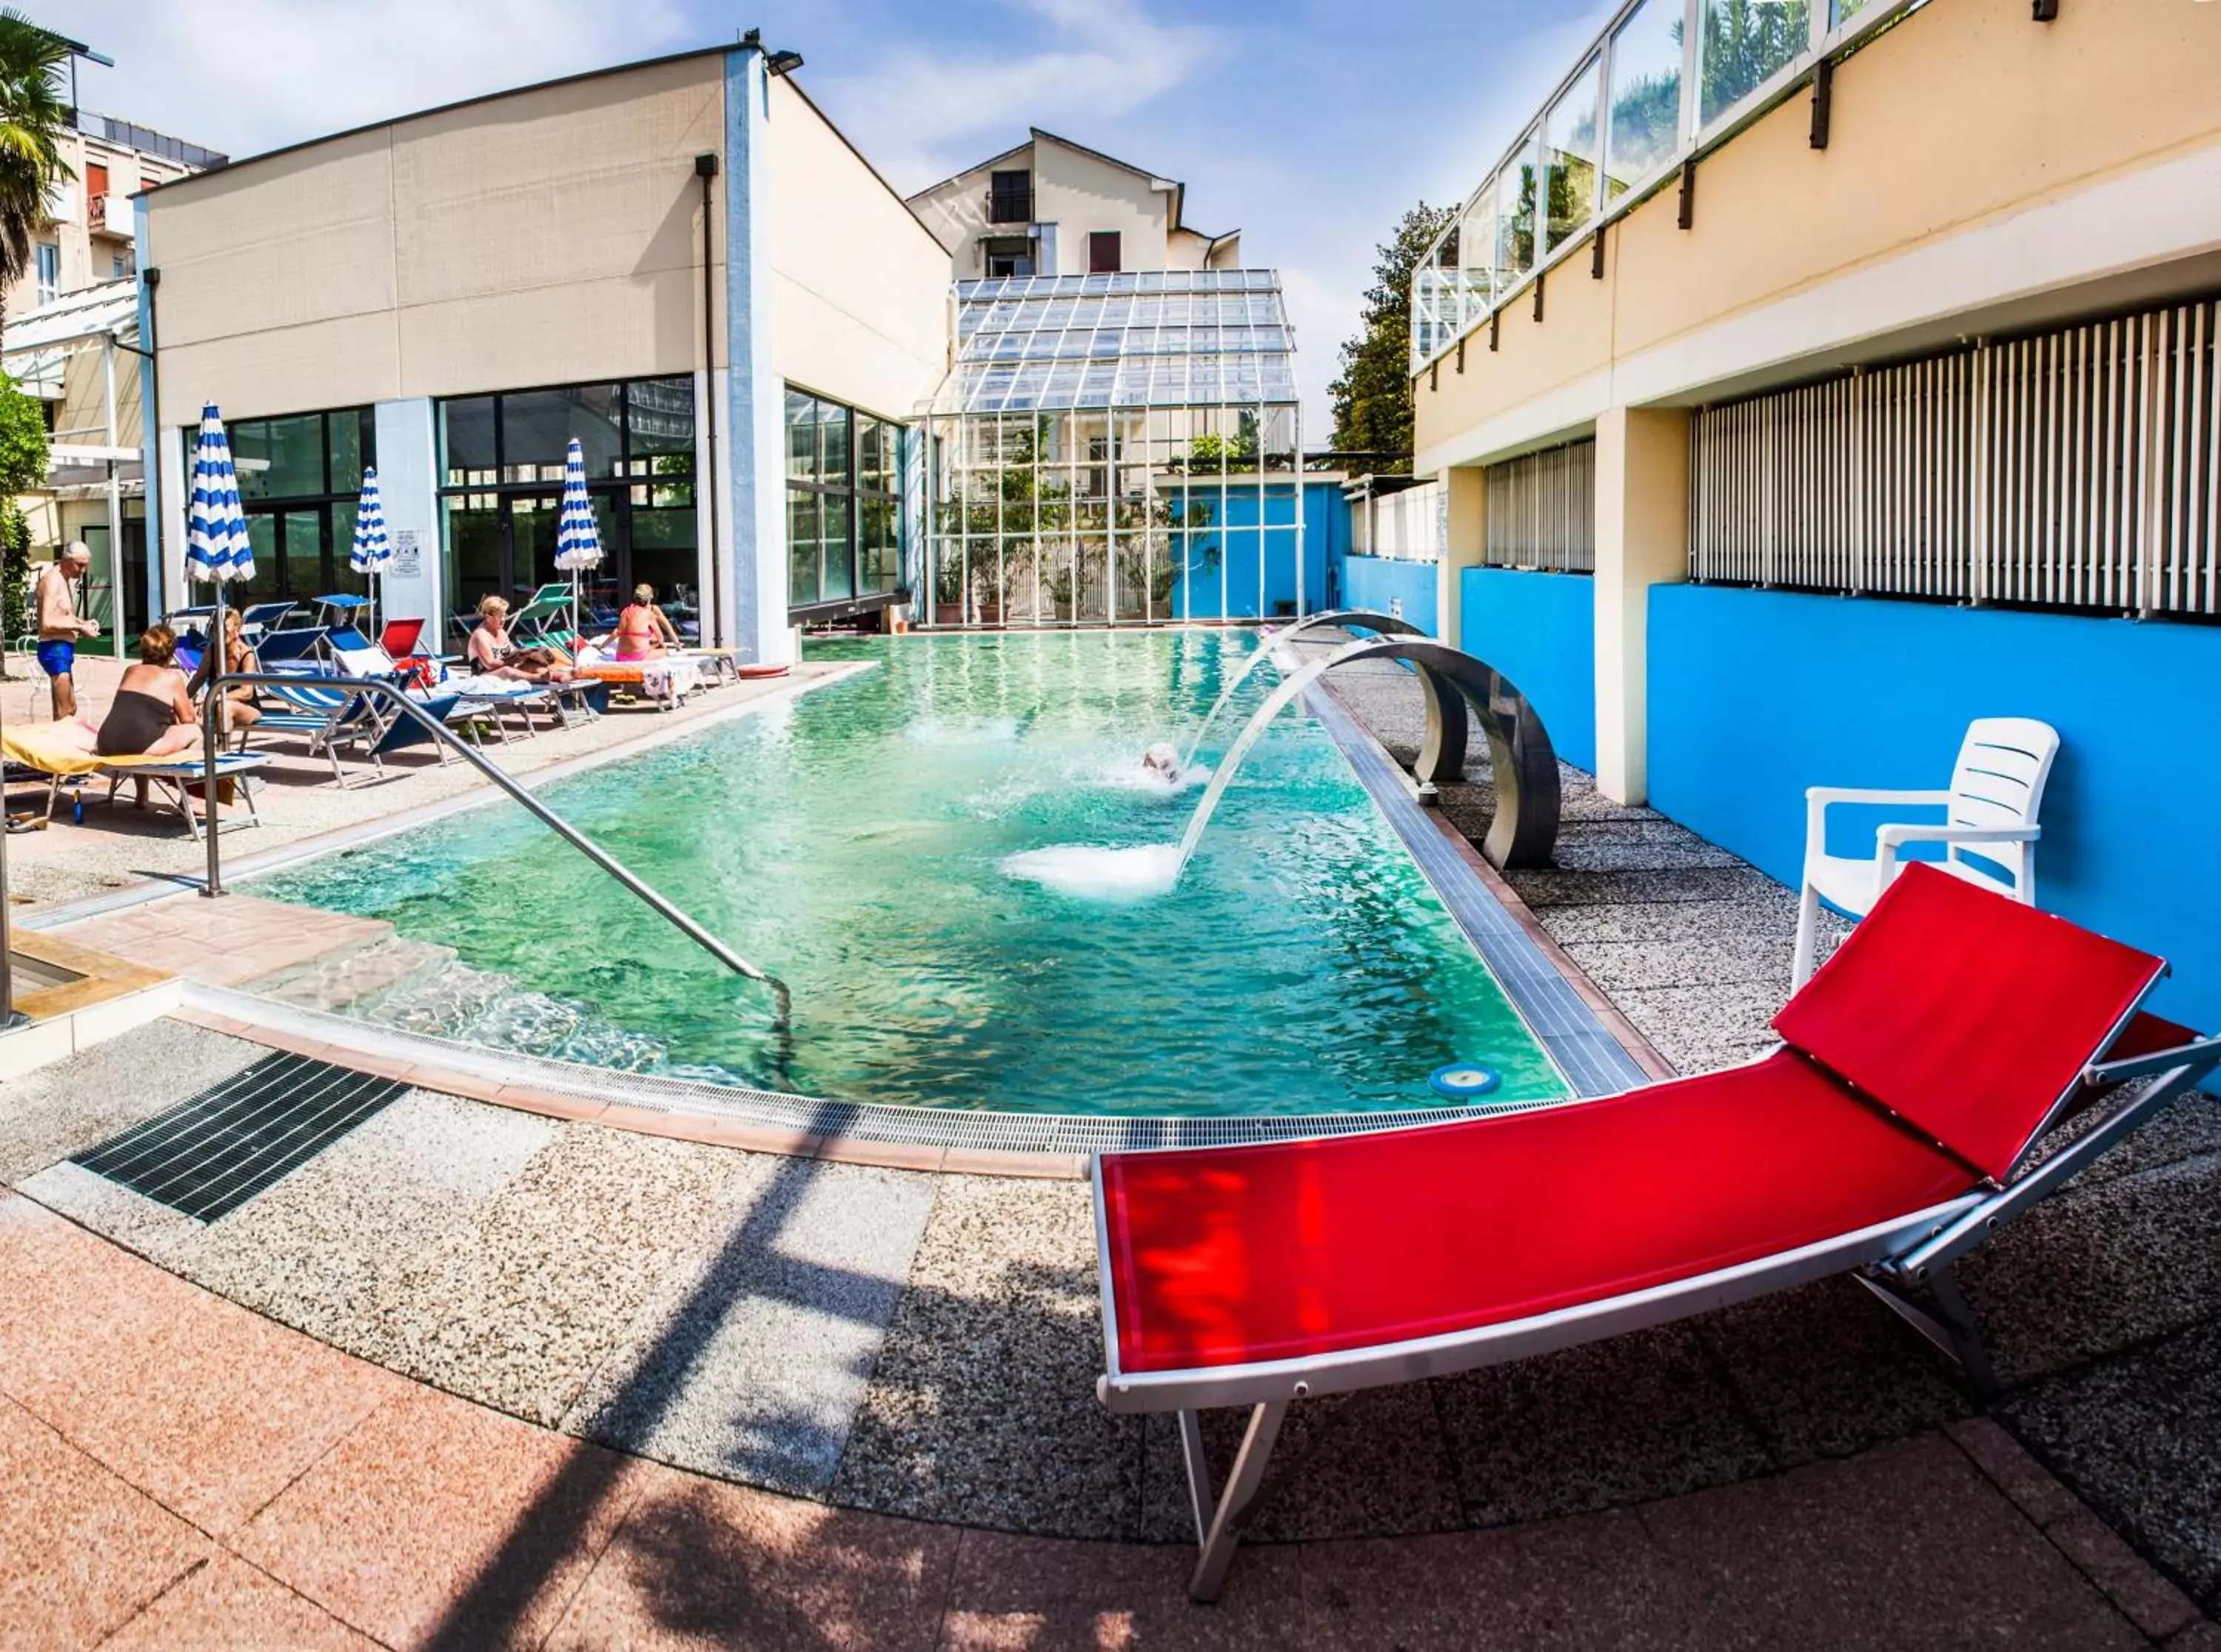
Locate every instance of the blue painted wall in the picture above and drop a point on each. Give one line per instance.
(1378, 583)
(1757, 695)
(1540, 630)
(1235, 544)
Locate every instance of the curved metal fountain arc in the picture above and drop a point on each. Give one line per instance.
(1387, 624)
(1523, 765)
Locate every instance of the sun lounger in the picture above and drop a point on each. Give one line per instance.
(176, 780)
(276, 650)
(1894, 1130)
(333, 717)
(263, 616)
(571, 702)
(38, 747)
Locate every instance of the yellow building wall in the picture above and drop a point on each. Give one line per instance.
(548, 236)
(1965, 114)
(859, 293)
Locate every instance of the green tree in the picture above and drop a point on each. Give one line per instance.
(1373, 394)
(22, 466)
(35, 112)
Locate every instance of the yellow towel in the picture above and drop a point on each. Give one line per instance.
(43, 747)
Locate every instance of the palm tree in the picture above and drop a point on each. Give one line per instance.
(35, 112)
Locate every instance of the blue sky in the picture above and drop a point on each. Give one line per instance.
(1309, 127)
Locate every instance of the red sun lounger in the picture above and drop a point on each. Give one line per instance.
(1889, 1135)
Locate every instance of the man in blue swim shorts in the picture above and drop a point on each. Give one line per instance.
(59, 629)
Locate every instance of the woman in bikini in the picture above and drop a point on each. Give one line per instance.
(238, 708)
(492, 654)
(643, 632)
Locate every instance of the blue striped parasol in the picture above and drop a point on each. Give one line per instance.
(372, 549)
(578, 536)
(218, 550)
(216, 546)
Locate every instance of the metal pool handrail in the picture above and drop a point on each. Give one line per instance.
(783, 1001)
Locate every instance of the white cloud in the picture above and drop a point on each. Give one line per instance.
(249, 75)
(920, 112)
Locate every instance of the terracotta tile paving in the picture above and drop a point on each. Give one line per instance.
(701, 1563)
(228, 1604)
(80, 1551)
(439, 1522)
(401, 1517)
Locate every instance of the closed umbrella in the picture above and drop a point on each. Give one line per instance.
(578, 536)
(218, 551)
(371, 550)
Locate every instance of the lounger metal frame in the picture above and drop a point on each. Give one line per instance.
(231, 766)
(1900, 1260)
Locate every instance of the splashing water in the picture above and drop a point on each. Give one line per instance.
(1356, 618)
(1093, 873)
(1138, 873)
(1275, 704)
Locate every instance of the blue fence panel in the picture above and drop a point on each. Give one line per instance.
(1383, 583)
(1754, 695)
(1540, 630)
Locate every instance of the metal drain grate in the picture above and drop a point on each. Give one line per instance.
(210, 1155)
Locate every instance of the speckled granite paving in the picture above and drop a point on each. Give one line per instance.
(926, 1346)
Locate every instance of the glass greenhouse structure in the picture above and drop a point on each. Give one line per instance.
(1117, 448)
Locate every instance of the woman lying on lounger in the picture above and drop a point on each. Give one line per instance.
(493, 655)
(153, 715)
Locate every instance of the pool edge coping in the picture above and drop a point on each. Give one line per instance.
(746, 1119)
(1520, 959)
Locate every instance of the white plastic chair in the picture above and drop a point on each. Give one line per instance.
(1997, 788)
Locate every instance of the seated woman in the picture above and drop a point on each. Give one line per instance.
(240, 711)
(492, 654)
(643, 632)
(152, 715)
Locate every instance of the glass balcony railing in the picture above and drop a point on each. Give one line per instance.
(1663, 82)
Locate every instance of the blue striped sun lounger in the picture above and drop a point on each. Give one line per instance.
(171, 779)
(332, 717)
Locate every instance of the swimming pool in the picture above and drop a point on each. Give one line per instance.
(857, 841)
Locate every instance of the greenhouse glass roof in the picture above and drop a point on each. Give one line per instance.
(1158, 339)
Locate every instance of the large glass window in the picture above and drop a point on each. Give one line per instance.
(501, 476)
(1646, 95)
(299, 477)
(1745, 43)
(1570, 151)
(1515, 218)
(1476, 240)
(843, 502)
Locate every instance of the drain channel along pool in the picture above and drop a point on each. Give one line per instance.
(878, 845)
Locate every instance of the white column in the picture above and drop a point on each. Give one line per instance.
(1642, 540)
(755, 397)
(1465, 545)
(415, 584)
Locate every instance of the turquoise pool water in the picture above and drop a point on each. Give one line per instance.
(854, 843)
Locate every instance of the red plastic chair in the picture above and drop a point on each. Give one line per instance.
(399, 640)
(1890, 1135)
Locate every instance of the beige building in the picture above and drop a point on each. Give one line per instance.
(88, 235)
(1051, 207)
(635, 259)
(1808, 383)
(72, 327)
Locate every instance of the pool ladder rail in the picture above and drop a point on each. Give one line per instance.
(392, 694)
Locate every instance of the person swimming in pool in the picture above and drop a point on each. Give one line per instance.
(1163, 762)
